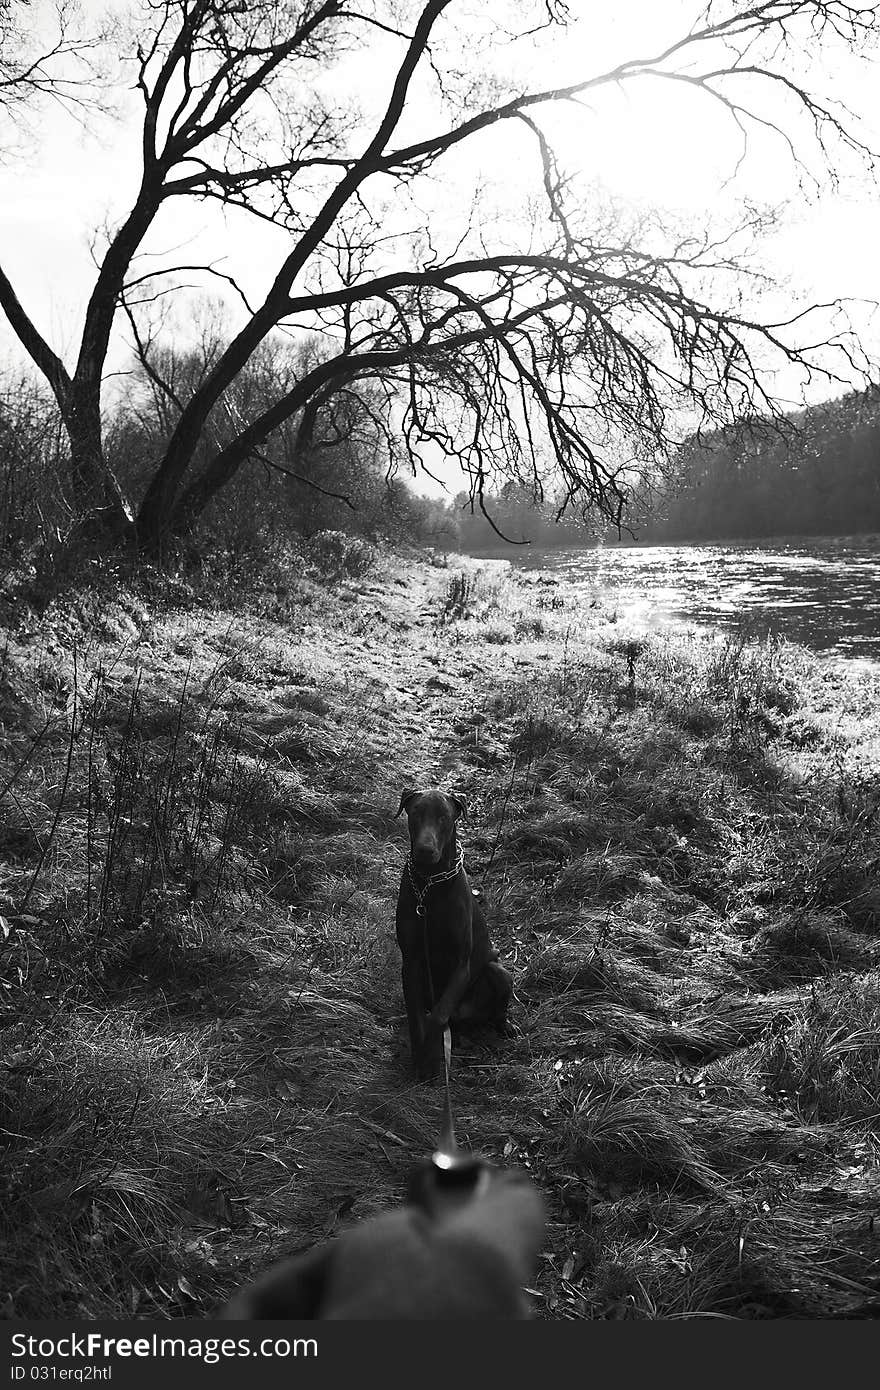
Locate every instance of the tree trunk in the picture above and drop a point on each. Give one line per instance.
(98, 498)
(158, 505)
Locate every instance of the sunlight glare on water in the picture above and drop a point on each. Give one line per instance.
(823, 592)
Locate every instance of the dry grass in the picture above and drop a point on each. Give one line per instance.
(204, 1062)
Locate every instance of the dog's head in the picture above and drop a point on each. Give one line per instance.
(432, 817)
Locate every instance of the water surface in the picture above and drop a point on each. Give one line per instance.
(823, 592)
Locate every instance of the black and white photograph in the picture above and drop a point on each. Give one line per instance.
(439, 671)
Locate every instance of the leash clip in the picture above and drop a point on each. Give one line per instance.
(451, 1176)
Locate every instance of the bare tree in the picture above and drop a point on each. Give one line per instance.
(553, 346)
(45, 55)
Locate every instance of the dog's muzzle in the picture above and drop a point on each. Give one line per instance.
(426, 856)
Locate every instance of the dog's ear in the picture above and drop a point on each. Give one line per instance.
(459, 803)
(404, 798)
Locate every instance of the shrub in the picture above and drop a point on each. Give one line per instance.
(335, 554)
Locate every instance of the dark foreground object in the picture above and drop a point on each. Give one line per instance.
(456, 1256)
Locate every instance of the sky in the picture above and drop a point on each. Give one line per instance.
(650, 143)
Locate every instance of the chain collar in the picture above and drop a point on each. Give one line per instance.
(444, 877)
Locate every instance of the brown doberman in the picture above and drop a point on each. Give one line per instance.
(450, 968)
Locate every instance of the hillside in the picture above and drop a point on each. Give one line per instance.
(203, 1061)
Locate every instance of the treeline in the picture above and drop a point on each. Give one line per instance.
(513, 519)
(819, 474)
(340, 478)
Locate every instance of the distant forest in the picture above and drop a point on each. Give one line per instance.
(819, 475)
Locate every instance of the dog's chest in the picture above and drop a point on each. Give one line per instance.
(443, 950)
(442, 932)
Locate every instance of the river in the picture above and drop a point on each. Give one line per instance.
(820, 591)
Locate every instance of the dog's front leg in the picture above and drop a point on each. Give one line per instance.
(451, 997)
(416, 1014)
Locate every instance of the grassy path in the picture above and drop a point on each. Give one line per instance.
(204, 1063)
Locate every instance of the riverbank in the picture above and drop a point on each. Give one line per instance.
(204, 1062)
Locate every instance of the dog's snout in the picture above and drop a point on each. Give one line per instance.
(426, 846)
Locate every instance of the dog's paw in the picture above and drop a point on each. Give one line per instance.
(428, 1072)
(429, 1062)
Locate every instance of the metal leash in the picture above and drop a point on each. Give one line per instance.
(455, 1173)
(447, 1143)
